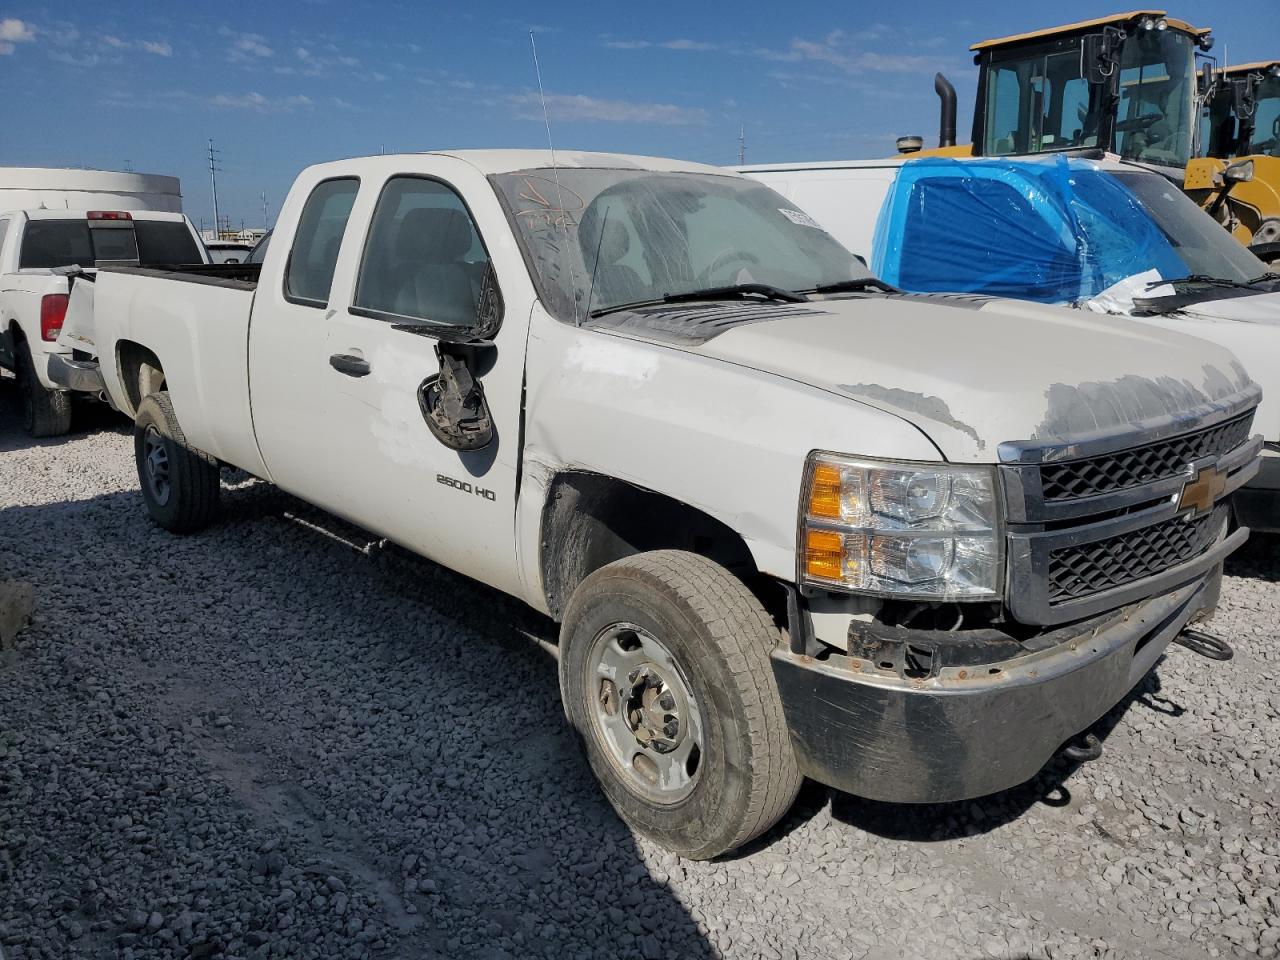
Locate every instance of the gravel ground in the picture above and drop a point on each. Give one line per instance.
(260, 743)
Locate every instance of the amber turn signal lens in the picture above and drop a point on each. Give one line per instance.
(824, 494)
(823, 554)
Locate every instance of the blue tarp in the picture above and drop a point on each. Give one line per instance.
(1055, 230)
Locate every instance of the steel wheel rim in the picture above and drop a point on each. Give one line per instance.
(644, 713)
(155, 460)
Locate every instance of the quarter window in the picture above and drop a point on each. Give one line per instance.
(424, 259)
(317, 241)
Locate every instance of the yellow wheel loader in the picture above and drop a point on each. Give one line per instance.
(1238, 179)
(1125, 85)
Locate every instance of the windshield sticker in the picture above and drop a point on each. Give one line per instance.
(799, 218)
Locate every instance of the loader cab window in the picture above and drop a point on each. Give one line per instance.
(1266, 120)
(1155, 113)
(424, 260)
(309, 274)
(1038, 103)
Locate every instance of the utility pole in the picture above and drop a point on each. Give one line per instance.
(266, 223)
(742, 144)
(213, 179)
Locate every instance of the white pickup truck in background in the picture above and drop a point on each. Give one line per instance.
(39, 250)
(791, 523)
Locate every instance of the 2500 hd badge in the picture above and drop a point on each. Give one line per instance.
(464, 487)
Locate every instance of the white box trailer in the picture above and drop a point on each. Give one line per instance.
(51, 188)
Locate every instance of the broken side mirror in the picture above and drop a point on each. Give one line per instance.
(453, 402)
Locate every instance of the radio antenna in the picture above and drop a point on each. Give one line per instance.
(555, 171)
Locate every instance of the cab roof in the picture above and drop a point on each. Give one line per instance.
(1115, 18)
(512, 161)
(1259, 66)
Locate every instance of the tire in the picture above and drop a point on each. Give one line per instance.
(180, 484)
(45, 413)
(627, 617)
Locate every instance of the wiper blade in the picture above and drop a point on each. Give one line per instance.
(1192, 279)
(852, 286)
(731, 292)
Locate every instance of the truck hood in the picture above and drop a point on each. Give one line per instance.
(974, 372)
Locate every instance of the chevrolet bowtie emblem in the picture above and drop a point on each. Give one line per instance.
(1202, 491)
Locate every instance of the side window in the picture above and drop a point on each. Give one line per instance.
(424, 258)
(1004, 112)
(309, 274)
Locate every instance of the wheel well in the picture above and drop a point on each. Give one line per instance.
(590, 520)
(141, 372)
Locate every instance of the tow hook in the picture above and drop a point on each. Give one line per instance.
(1086, 748)
(1205, 644)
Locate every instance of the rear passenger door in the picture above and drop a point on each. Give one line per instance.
(288, 348)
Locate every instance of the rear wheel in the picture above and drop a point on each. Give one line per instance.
(665, 674)
(45, 413)
(180, 484)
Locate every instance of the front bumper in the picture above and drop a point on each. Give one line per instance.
(81, 376)
(971, 730)
(1257, 504)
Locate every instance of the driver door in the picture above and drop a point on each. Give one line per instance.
(424, 282)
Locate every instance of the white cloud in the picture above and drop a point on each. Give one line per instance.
(12, 32)
(247, 47)
(693, 45)
(259, 103)
(696, 46)
(116, 42)
(836, 51)
(579, 107)
(157, 47)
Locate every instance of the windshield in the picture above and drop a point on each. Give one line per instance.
(1198, 240)
(47, 244)
(1266, 119)
(1156, 108)
(604, 238)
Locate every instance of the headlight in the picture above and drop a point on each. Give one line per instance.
(928, 531)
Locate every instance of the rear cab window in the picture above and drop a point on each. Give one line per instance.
(48, 244)
(309, 273)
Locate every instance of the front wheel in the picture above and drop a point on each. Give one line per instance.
(45, 413)
(665, 675)
(180, 484)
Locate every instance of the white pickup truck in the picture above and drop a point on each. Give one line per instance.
(39, 250)
(790, 523)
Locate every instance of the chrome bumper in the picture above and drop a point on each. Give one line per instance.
(81, 376)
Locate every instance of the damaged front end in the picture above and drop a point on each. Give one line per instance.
(1111, 546)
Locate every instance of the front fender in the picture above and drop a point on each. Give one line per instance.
(726, 439)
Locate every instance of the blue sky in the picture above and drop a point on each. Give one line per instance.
(280, 84)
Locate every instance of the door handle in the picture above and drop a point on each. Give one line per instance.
(350, 364)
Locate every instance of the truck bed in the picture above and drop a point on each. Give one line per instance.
(195, 320)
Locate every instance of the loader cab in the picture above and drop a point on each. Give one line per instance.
(1243, 116)
(1125, 84)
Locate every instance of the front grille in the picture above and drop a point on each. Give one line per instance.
(1089, 568)
(1073, 479)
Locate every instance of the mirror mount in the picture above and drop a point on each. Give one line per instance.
(453, 402)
